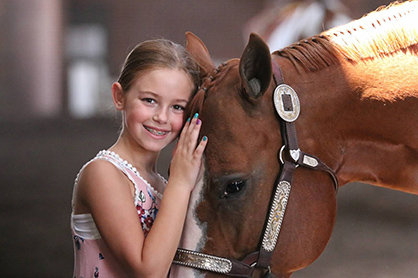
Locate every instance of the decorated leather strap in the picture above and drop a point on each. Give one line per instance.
(287, 105)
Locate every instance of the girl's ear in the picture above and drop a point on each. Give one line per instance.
(118, 96)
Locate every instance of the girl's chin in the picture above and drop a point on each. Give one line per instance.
(158, 146)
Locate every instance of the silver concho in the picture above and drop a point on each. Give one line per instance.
(286, 102)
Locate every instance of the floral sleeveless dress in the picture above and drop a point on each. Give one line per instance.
(91, 255)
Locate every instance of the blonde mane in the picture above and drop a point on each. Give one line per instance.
(377, 34)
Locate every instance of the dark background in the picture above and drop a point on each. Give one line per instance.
(43, 145)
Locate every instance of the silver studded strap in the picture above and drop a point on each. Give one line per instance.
(202, 261)
(276, 215)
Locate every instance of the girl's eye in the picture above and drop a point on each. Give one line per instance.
(148, 100)
(178, 107)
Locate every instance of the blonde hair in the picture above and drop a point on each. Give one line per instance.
(154, 54)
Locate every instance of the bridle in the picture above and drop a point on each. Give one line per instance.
(287, 106)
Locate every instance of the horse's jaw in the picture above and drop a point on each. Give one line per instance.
(194, 235)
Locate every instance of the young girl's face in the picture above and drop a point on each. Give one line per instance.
(154, 107)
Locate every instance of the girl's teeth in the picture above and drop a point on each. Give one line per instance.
(156, 132)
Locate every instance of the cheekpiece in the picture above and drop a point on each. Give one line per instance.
(286, 102)
(276, 216)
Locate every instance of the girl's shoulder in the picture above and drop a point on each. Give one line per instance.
(101, 167)
(100, 173)
(138, 180)
(97, 182)
(108, 171)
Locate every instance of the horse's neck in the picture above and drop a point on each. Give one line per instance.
(387, 79)
(363, 119)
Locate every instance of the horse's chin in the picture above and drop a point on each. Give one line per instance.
(194, 235)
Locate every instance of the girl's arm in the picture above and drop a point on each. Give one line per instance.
(106, 197)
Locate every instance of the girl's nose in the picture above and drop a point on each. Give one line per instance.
(160, 116)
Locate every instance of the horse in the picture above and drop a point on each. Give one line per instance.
(286, 129)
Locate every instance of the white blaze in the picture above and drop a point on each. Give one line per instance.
(194, 235)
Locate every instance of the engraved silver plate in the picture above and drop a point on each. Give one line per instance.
(202, 261)
(286, 102)
(276, 216)
(310, 161)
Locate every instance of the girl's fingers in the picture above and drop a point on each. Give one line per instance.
(201, 147)
(189, 151)
(193, 123)
(183, 132)
(194, 129)
(190, 132)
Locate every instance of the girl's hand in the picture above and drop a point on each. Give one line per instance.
(187, 159)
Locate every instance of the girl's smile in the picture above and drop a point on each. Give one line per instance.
(156, 132)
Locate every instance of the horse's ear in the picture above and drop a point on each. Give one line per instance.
(200, 53)
(255, 67)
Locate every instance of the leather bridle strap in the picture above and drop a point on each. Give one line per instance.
(211, 263)
(261, 259)
(290, 142)
(289, 136)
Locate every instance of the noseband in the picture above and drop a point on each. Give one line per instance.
(288, 107)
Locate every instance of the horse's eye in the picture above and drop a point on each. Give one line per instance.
(233, 187)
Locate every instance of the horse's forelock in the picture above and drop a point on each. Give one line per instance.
(379, 33)
(195, 106)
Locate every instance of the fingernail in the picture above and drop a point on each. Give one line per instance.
(188, 120)
(198, 121)
(196, 115)
(205, 138)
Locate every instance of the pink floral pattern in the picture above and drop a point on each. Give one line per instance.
(147, 216)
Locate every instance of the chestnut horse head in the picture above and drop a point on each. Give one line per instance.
(357, 90)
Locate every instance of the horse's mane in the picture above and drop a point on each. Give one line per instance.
(377, 34)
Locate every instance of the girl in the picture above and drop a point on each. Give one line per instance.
(118, 193)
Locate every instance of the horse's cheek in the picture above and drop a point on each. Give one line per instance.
(308, 223)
